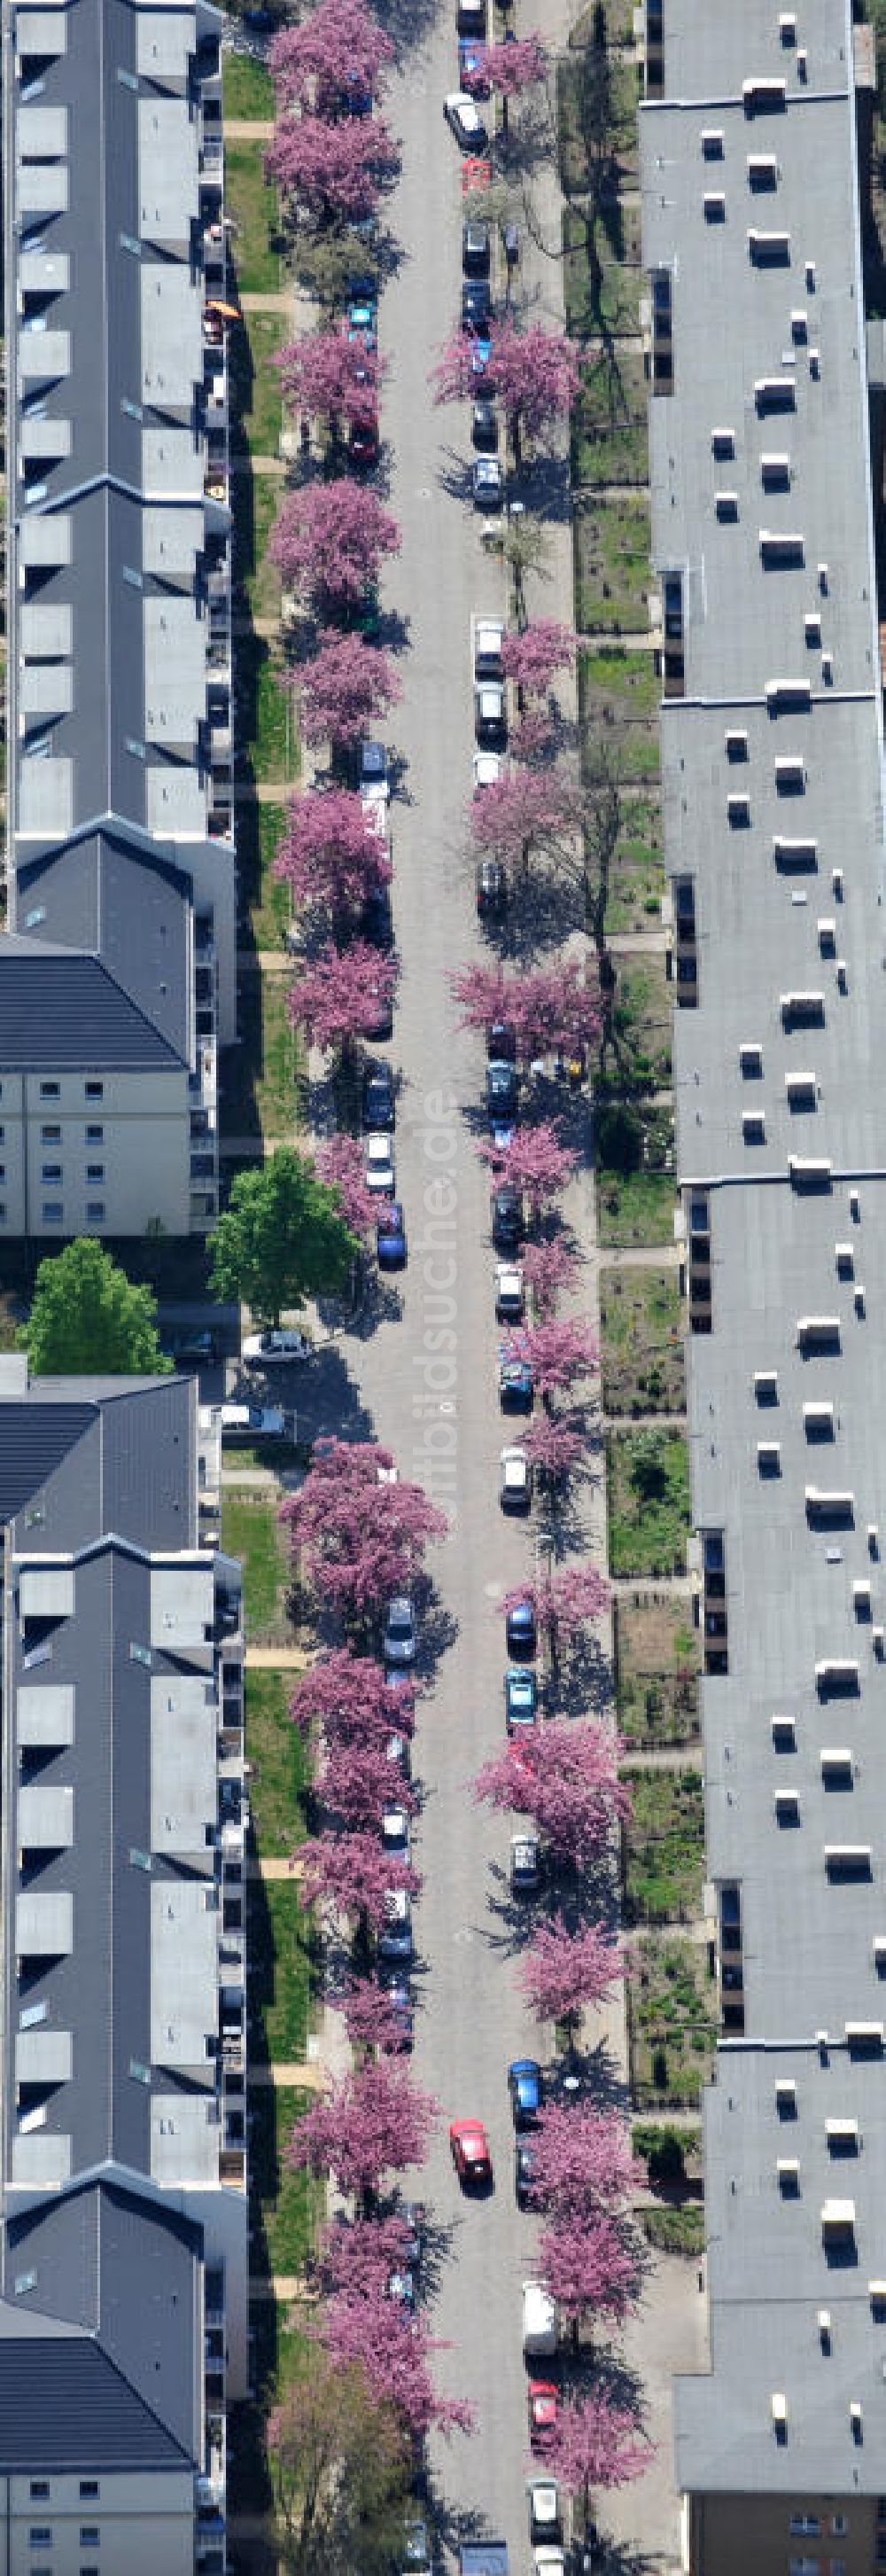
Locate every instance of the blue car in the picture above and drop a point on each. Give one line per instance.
(521, 1698)
(469, 75)
(390, 1237)
(526, 2089)
(515, 1382)
(520, 1630)
(481, 352)
(363, 322)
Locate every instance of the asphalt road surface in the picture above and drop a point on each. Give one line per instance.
(426, 1373)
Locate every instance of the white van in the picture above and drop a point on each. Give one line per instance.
(539, 2320)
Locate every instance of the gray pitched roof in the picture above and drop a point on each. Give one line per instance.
(64, 1011)
(65, 2405)
(100, 1455)
(126, 2272)
(128, 905)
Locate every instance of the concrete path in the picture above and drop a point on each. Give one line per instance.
(276, 1659)
(301, 2075)
(249, 129)
(667, 1587)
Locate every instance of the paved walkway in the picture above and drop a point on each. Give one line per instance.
(300, 2075)
(666, 1587)
(277, 1659)
(249, 129)
(277, 300)
(638, 1256)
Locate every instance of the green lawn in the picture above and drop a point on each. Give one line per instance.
(252, 208)
(597, 99)
(642, 1019)
(665, 1847)
(672, 2028)
(259, 1075)
(675, 2227)
(281, 1972)
(641, 1327)
(612, 575)
(250, 1530)
(255, 384)
(268, 734)
(256, 501)
(602, 274)
(648, 1501)
(610, 442)
(636, 872)
(278, 1763)
(657, 1661)
(247, 88)
(634, 1154)
(259, 830)
(618, 698)
(284, 2205)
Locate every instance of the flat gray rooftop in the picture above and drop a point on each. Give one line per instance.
(772, 765)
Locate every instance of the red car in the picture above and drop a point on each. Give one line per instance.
(469, 2149)
(544, 2407)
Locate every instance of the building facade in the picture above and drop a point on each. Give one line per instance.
(120, 846)
(772, 771)
(123, 2209)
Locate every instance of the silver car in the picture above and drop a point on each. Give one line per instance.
(399, 1640)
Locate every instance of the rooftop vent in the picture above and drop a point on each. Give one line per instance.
(764, 97)
(784, 1740)
(818, 1421)
(762, 171)
(726, 505)
(766, 1386)
(769, 1458)
(790, 777)
(738, 809)
(799, 324)
(836, 1762)
(791, 850)
(736, 746)
(812, 628)
(827, 935)
(714, 207)
(786, 2097)
(861, 1597)
(802, 1090)
(712, 142)
(801, 1009)
(788, 2175)
(774, 393)
(753, 1127)
(788, 697)
(818, 1332)
(723, 442)
(787, 1807)
(769, 249)
(775, 473)
(781, 547)
(778, 2407)
(810, 1172)
(824, 1505)
(750, 1057)
(844, 1255)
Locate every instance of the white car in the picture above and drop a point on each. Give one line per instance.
(490, 716)
(395, 1831)
(488, 640)
(252, 1422)
(548, 2562)
(487, 483)
(525, 1864)
(269, 1350)
(514, 1480)
(539, 2320)
(509, 1297)
(374, 780)
(545, 2518)
(395, 1937)
(488, 767)
(379, 1168)
(465, 121)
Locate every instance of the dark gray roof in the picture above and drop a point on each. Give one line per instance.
(64, 2405)
(99, 1455)
(65, 1010)
(126, 904)
(126, 2271)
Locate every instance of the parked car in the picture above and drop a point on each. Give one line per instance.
(521, 1698)
(476, 248)
(190, 1350)
(484, 425)
(539, 2319)
(379, 1171)
(358, 95)
(378, 1106)
(377, 922)
(253, 1422)
(487, 770)
(395, 1831)
(469, 2149)
(501, 1041)
(280, 1346)
(380, 1024)
(373, 769)
(525, 1864)
(471, 75)
(401, 2287)
(515, 1384)
(510, 236)
(399, 1755)
(414, 2220)
(416, 2549)
(509, 1297)
(488, 640)
(507, 1218)
(514, 1480)
(362, 320)
(399, 1640)
(545, 2513)
(490, 716)
(551, 2562)
(470, 17)
(493, 891)
(476, 303)
(487, 484)
(481, 352)
(395, 1937)
(525, 2169)
(402, 2012)
(543, 2400)
(363, 442)
(501, 1092)
(526, 2089)
(521, 1634)
(390, 1237)
(465, 121)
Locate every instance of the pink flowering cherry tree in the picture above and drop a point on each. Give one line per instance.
(360, 1538)
(595, 2444)
(592, 2269)
(346, 1699)
(565, 1776)
(565, 1602)
(372, 2123)
(532, 656)
(329, 853)
(336, 999)
(525, 811)
(349, 1875)
(535, 373)
(547, 1007)
(331, 173)
(564, 1972)
(339, 1162)
(337, 46)
(393, 2349)
(557, 1353)
(536, 1162)
(329, 538)
(550, 1268)
(345, 687)
(329, 377)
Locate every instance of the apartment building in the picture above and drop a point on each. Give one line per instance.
(123, 2210)
(772, 766)
(118, 968)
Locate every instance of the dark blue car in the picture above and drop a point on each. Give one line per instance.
(390, 1237)
(526, 2089)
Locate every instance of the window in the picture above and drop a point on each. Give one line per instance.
(838, 2567)
(2, 1211)
(52, 1212)
(95, 1091)
(89, 2487)
(95, 1211)
(804, 2567)
(94, 1171)
(805, 2526)
(839, 2526)
(89, 2535)
(50, 1171)
(50, 1091)
(95, 1135)
(40, 2535)
(50, 1135)
(39, 2490)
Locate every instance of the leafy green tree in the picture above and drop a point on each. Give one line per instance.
(339, 2474)
(283, 1238)
(87, 1317)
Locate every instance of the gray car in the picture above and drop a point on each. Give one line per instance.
(399, 1640)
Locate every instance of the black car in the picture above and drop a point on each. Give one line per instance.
(484, 425)
(501, 1090)
(476, 304)
(381, 1021)
(501, 1041)
(525, 2167)
(378, 1107)
(475, 249)
(377, 923)
(507, 1218)
(492, 889)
